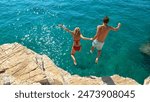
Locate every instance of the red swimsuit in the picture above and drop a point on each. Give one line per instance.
(77, 48)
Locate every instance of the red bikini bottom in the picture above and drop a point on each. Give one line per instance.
(77, 48)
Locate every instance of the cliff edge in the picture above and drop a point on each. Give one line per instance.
(20, 65)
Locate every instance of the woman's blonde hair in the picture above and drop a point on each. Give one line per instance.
(77, 31)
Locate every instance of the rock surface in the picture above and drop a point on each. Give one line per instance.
(123, 81)
(19, 65)
(145, 49)
(147, 81)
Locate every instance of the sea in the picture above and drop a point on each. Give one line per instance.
(34, 24)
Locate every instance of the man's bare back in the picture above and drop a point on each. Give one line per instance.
(103, 30)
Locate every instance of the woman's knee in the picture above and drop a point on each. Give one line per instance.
(73, 52)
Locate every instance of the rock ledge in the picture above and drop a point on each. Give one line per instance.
(20, 65)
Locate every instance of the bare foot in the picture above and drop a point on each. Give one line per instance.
(91, 51)
(75, 63)
(96, 60)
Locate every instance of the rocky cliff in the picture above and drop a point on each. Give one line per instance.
(147, 81)
(20, 65)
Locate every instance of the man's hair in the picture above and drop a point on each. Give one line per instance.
(106, 19)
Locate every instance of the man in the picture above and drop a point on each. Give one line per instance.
(101, 34)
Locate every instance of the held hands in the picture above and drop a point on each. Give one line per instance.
(91, 39)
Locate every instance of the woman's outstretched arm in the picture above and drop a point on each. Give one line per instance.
(66, 29)
(85, 38)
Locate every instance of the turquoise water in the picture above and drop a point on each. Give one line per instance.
(33, 23)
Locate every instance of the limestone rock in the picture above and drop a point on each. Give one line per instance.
(20, 65)
(6, 79)
(123, 81)
(77, 80)
(147, 81)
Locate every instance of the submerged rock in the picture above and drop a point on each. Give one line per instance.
(20, 65)
(145, 49)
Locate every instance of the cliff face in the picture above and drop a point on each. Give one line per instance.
(19, 65)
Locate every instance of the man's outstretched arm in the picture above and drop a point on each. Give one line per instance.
(117, 28)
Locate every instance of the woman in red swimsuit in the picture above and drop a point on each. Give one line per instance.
(76, 40)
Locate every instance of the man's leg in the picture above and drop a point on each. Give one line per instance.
(92, 49)
(72, 56)
(98, 55)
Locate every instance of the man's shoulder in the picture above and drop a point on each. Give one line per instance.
(110, 27)
(99, 26)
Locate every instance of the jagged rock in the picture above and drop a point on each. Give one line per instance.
(6, 79)
(19, 65)
(123, 81)
(77, 80)
(145, 49)
(147, 81)
(36, 84)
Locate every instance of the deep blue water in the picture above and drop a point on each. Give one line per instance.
(33, 23)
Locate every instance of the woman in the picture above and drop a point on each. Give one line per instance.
(76, 40)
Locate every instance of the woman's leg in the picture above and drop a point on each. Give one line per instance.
(72, 56)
